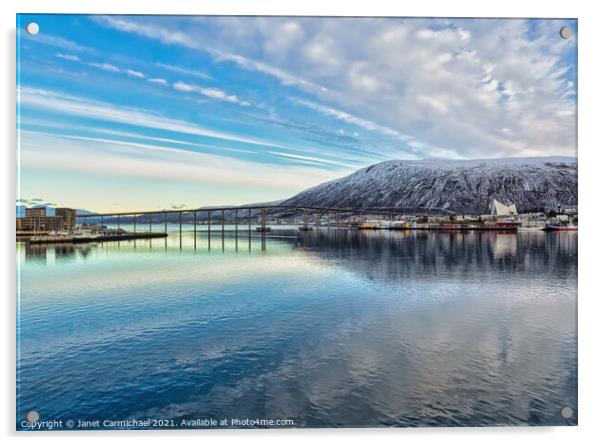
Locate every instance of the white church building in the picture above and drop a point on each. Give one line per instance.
(499, 209)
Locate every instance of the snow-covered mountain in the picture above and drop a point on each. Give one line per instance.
(465, 186)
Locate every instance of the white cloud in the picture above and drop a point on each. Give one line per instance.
(111, 157)
(68, 127)
(105, 67)
(181, 86)
(178, 69)
(58, 42)
(71, 57)
(158, 80)
(310, 159)
(133, 73)
(285, 77)
(77, 106)
(419, 148)
(450, 83)
(114, 69)
(290, 32)
(137, 27)
(213, 93)
(174, 37)
(351, 119)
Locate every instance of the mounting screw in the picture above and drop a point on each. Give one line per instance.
(32, 28)
(566, 412)
(566, 32)
(32, 416)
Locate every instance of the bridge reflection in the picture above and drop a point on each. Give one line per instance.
(380, 255)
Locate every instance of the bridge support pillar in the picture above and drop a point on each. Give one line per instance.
(249, 216)
(194, 227)
(209, 229)
(263, 229)
(236, 229)
(223, 222)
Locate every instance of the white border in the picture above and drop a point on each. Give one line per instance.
(590, 76)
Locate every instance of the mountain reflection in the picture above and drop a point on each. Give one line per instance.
(394, 256)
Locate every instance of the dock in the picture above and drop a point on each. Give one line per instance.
(55, 239)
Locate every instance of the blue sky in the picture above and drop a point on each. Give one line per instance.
(124, 113)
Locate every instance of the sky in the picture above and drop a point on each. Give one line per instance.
(121, 113)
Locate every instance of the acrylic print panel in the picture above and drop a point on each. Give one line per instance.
(289, 222)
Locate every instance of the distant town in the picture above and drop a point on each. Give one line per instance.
(36, 226)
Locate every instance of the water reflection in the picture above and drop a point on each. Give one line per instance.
(328, 327)
(394, 255)
(35, 252)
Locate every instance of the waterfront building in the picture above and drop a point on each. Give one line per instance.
(36, 220)
(67, 215)
(500, 209)
(35, 212)
(54, 223)
(567, 209)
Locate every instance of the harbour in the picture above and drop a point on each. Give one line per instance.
(36, 227)
(319, 326)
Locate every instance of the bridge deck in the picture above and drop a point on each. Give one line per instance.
(382, 211)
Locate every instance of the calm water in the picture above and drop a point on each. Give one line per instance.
(328, 328)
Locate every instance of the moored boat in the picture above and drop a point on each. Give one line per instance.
(496, 225)
(500, 225)
(559, 227)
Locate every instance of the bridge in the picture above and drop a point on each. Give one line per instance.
(241, 214)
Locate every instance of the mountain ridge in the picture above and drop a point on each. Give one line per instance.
(451, 186)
